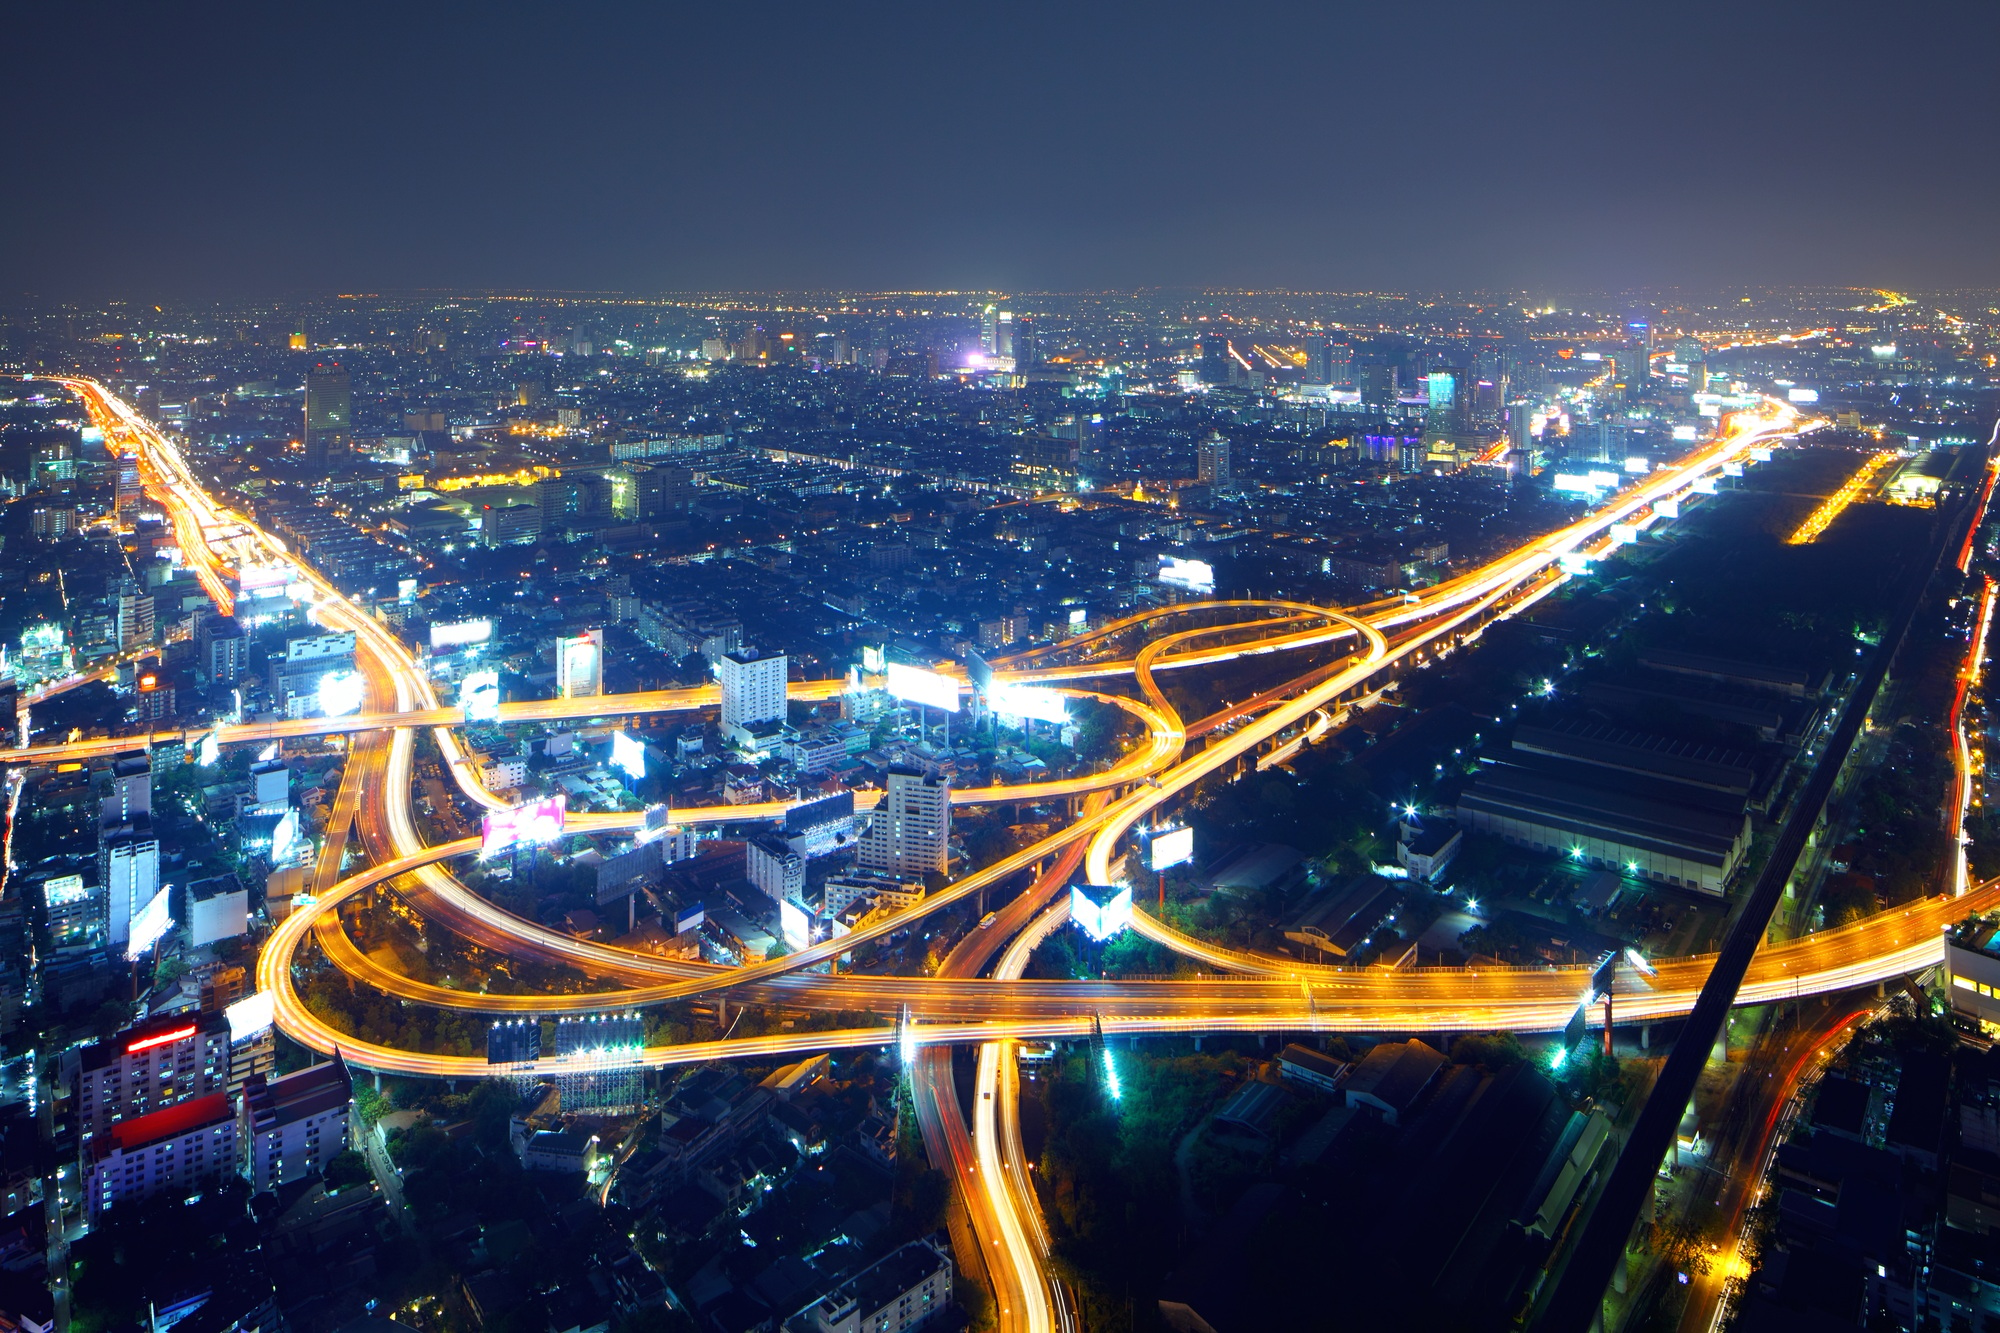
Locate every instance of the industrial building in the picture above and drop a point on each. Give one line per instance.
(1670, 813)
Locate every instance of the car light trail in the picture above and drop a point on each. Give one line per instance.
(1836, 504)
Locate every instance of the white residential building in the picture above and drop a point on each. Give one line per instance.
(777, 871)
(753, 689)
(844, 891)
(909, 834)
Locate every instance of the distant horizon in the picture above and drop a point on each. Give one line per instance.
(236, 151)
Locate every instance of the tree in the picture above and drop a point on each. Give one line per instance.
(1682, 1244)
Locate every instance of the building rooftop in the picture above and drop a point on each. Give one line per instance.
(1395, 1073)
(169, 1122)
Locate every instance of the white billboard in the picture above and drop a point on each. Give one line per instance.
(1732, 469)
(341, 693)
(628, 756)
(1623, 534)
(917, 686)
(460, 634)
(1686, 434)
(1802, 395)
(151, 923)
(794, 925)
(285, 837)
(479, 692)
(530, 825)
(1638, 466)
(1197, 575)
(1100, 922)
(1667, 508)
(250, 1015)
(1575, 483)
(1030, 701)
(1172, 847)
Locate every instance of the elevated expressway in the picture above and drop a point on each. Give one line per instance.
(958, 1006)
(1154, 773)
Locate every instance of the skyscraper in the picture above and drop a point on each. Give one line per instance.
(329, 416)
(909, 835)
(1214, 358)
(1211, 460)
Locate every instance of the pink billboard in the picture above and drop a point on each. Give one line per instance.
(525, 825)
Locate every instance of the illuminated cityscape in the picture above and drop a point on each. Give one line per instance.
(1296, 769)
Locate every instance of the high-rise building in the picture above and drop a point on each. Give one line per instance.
(126, 488)
(1214, 358)
(170, 1152)
(135, 617)
(909, 834)
(996, 331)
(131, 789)
(128, 866)
(221, 655)
(1520, 429)
(753, 688)
(1211, 460)
(1329, 361)
(329, 416)
(150, 1065)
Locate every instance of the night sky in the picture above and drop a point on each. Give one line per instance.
(216, 151)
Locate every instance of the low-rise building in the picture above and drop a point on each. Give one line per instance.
(907, 1289)
(1392, 1077)
(1310, 1068)
(295, 1125)
(570, 1151)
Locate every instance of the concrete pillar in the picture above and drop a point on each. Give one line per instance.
(1620, 1276)
(1646, 1037)
(378, 1080)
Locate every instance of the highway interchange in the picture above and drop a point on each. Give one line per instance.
(978, 996)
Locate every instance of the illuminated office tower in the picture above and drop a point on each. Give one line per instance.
(329, 416)
(1211, 460)
(753, 688)
(989, 329)
(1003, 334)
(909, 834)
